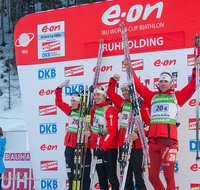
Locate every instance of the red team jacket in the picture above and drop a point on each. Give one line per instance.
(118, 101)
(70, 137)
(111, 115)
(164, 129)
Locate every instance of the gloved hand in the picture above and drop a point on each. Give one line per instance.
(99, 152)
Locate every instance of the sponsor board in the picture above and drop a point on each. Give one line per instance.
(18, 179)
(24, 40)
(136, 64)
(159, 63)
(47, 110)
(193, 102)
(74, 71)
(195, 167)
(190, 60)
(193, 145)
(194, 186)
(112, 15)
(104, 68)
(47, 92)
(72, 88)
(51, 40)
(17, 157)
(192, 124)
(48, 128)
(51, 46)
(48, 147)
(49, 184)
(47, 73)
(49, 165)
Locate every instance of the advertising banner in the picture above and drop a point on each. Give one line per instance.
(19, 172)
(62, 44)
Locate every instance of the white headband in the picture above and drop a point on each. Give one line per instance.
(97, 90)
(74, 97)
(166, 77)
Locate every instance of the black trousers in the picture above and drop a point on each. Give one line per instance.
(107, 170)
(69, 158)
(135, 166)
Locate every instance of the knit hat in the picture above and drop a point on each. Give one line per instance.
(124, 86)
(75, 96)
(166, 77)
(100, 89)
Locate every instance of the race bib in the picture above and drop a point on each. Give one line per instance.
(171, 157)
(125, 116)
(73, 121)
(160, 108)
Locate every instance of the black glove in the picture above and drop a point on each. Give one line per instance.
(99, 152)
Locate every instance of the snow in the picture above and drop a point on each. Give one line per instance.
(12, 119)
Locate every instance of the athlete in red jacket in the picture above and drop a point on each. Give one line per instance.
(163, 130)
(104, 119)
(124, 106)
(71, 135)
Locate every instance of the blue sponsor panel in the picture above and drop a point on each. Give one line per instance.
(72, 88)
(45, 54)
(48, 128)
(49, 184)
(193, 145)
(47, 73)
(176, 169)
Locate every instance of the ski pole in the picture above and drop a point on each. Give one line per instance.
(196, 54)
(94, 164)
(85, 128)
(133, 95)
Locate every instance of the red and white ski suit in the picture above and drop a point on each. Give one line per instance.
(111, 115)
(136, 154)
(163, 136)
(70, 137)
(107, 116)
(119, 101)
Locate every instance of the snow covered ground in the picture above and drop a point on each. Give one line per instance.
(10, 119)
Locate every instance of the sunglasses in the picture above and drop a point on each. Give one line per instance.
(75, 93)
(123, 87)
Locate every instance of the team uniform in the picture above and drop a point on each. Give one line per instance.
(70, 141)
(163, 130)
(104, 119)
(136, 159)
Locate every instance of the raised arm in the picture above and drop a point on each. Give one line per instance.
(59, 101)
(114, 97)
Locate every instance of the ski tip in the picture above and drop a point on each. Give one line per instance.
(86, 88)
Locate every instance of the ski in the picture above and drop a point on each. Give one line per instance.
(133, 94)
(76, 185)
(196, 54)
(97, 71)
(86, 126)
(91, 100)
(126, 151)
